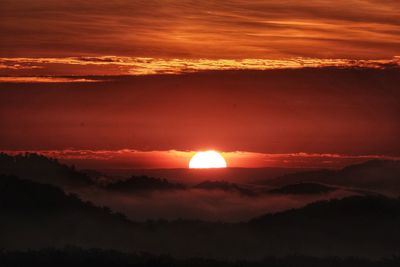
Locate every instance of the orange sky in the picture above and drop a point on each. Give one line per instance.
(335, 111)
(301, 78)
(201, 29)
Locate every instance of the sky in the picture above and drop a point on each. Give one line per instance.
(269, 83)
(366, 29)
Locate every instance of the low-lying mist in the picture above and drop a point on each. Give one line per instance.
(199, 204)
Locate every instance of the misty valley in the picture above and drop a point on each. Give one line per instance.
(53, 209)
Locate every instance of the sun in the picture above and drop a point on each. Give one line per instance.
(207, 159)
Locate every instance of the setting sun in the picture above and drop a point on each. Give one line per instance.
(207, 159)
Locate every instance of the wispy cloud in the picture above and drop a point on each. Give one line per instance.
(114, 65)
(44, 80)
(201, 29)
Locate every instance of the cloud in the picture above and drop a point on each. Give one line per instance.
(206, 29)
(114, 65)
(131, 159)
(43, 80)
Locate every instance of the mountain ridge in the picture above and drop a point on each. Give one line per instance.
(326, 228)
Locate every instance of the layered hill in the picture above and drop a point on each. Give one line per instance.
(143, 183)
(303, 188)
(375, 175)
(38, 216)
(43, 170)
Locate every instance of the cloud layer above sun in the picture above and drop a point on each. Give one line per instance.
(234, 29)
(113, 65)
(133, 159)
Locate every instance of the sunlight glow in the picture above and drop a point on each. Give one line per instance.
(207, 159)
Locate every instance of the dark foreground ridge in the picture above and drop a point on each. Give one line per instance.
(77, 257)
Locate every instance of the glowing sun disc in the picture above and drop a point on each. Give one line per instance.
(207, 159)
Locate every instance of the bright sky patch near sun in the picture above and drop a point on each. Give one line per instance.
(310, 110)
(207, 159)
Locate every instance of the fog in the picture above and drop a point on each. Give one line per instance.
(193, 204)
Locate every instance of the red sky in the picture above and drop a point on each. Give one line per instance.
(201, 29)
(265, 77)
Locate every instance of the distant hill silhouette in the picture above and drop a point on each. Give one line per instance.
(99, 178)
(196, 176)
(303, 189)
(225, 186)
(50, 171)
(377, 208)
(375, 175)
(143, 183)
(42, 169)
(39, 216)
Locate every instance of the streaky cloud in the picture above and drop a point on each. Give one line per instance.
(201, 29)
(116, 65)
(44, 80)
